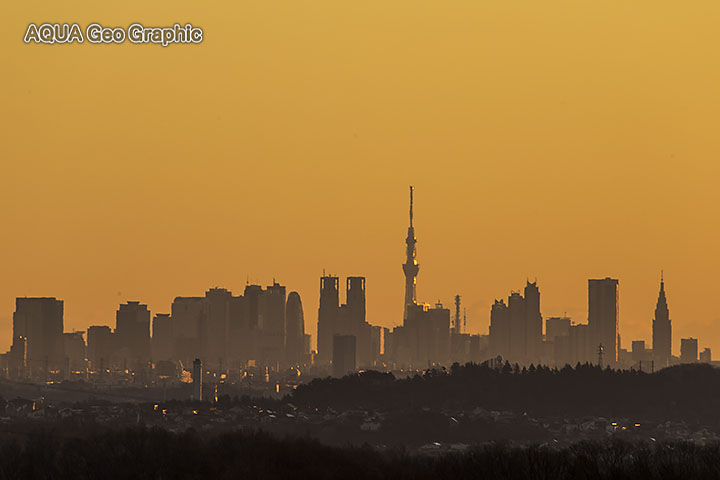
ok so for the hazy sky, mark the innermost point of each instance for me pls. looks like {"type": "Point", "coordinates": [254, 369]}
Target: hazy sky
{"type": "Point", "coordinates": [561, 140]}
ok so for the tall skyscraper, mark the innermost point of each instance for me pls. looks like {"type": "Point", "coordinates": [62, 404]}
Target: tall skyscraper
{"type": "Point", "coordinates": [75, 352]}
{"type": "Point", "coordinates": [347, 319]}
{"type": "Point", "coordinates": [186, 316]}
{"type": "Point", "coordinates": [355, 323]}
{"type": "Point", "coordinates": [39, 321]}
{"type": "Point", "coordinates": [162, 337]}
{"type": "Point", "coordinates": [355, 299]}
{"type": "Point", "coordinates": [343, 356]}
{"type": "Point", "coordinates": [295, 325]}
{"type": "Point", "coordinates": [516, 329]}
{"type": "Point", "coordinates": [132, 332]}
{"type": "Point", "coordinates": [254, 307]}
{"type": "Point", "coordinates": [425, 337]}
{"type": "Point", "coordinates": [273, 343]}
{"type": "Point", "coordinates": [499, 329]}
{"type": "Point", "coordinates": [240, 340]}
{"type": "Point", "coordinates": [603, 317]}
{"type": "Point", "coordinates": [99, 347]}
{"type": "Point", "coordinates": [662, 330]}
{"type": "Point", "coordinates": [327, 316]}
{"type": "Point", "coordinates": [533, 323]}
{"type": "Point", "coordinates": [215, 328]}
{"type": "Point", "coordinates": [410, 267]}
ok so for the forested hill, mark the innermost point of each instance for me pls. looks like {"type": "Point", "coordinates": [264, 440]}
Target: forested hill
{"type": "Point", "coordinates": [688, 392]}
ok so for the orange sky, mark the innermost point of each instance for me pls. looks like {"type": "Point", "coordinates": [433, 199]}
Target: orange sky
{"type": "Point", "coordinates": [561, 140]}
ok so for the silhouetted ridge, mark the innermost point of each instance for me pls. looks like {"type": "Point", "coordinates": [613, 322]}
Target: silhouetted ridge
{"type": "Point", "coordinates": [685, 391]}
{"type": "Point", "coordinates": [142, 453]}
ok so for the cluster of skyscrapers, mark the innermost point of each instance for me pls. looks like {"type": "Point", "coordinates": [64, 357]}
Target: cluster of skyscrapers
{"type": "Point", "coordinates": [516, 333]}
{"type": "Point", "coordinates": [261, 327]}
{"type": "Point", "coordinates": [264, 327]}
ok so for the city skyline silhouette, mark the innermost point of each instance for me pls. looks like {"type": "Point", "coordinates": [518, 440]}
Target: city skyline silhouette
{"type": "Point", "coordinates": [226, 331]}
{"type": "Point", "coordinates": [378, 239]}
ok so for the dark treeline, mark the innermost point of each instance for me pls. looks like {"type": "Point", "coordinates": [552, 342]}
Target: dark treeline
{"type": "Point", "coordinates": [158, 454]}
{"type": "Point", "coordinates": [687, 392]}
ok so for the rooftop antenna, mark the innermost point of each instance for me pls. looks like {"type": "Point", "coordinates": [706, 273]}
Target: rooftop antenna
{"type": "Point", "coordinates": [456, 326]}
{"type": "Point", "coordinates": [464, 320]}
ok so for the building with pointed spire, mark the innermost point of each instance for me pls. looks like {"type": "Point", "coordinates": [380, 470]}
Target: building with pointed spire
{"type": "Point", "coordinates": [410, 267]}
{"type": "Point", "coordinates": [662, 330]}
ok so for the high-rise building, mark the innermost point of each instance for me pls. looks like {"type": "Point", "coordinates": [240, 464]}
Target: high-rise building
{"type": "Point", "coordinates": [603, 317]}
{"type": "Point", "coordinates": [186, 314]}
{"type": "Point", "coordinates": [347, 319]}
{"type": "Point", "coordinates": [557, 335]}
{"type": "Point", "coordinates": [516, 328]}
{"type": "Point", "coordinates": [132, 333]}
{"type": "Point", "coordinates": [215, 328]}
{"type": "Point", "coordinates": [641, 355]}
{"type": "Point", "coordinates": [344, 354]}
{"type": "Point", "coordinates": [499, 330]}
{"type": "Point", "coordinates": [688, 350]}
{"type": "Point", "coordinates": [273, 329]}
{"type": "Point", "coordinates": [99, 347]}
{"type": "Point", "coordinates": [75, 352]}
{"type": "Point", "coordinates": [662, 330]}
{"type": "Point", "coordinates": [353, 320]}
{"type": "Point", "coordinates": [254, 308]}
{"type": "Point", "coordinates": [162, 337]}
{"type": "Point", "coordinates": [39, 321]}
{"type": "Point", "coordinates": [355, 300]}
{"type": "Point", "coordinates": [410, 267]}
{"type": "Point", "coordinates": [580, 341]}
{"type": "Point", "coordinates": [533, 324]}
{"type": "Point", "coordinates": [518, 331]}
{"type": "Point", "coordinates": [328, 313]}
{"type": "Point", "coordinates": [557, 327]}
{"type": "Point", "coordinates": [241, 339]}
{"type": "Point", "coordinates": [424, 340]}
{"type": "Point", "coordinates": [295, 325]}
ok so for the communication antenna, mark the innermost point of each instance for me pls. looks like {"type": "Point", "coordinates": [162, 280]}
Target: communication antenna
{"type": "Point", "coordinates": [456, 326]}
{"type": "Point", "coordinates": [600, 351]}
{"type": "Point", "coordinates": [411, 205]}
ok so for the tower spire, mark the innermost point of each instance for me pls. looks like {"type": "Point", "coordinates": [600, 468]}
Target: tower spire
{"type": "Point", "coordinates": [411, 206]}
{"type": "Point", "coordinates": [410, 267]}
{"type": "Point", "coordinates": [662, 328]}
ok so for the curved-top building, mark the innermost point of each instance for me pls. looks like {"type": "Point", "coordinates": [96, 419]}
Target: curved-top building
{"type": "Point", "coordinates": [295, 328]}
